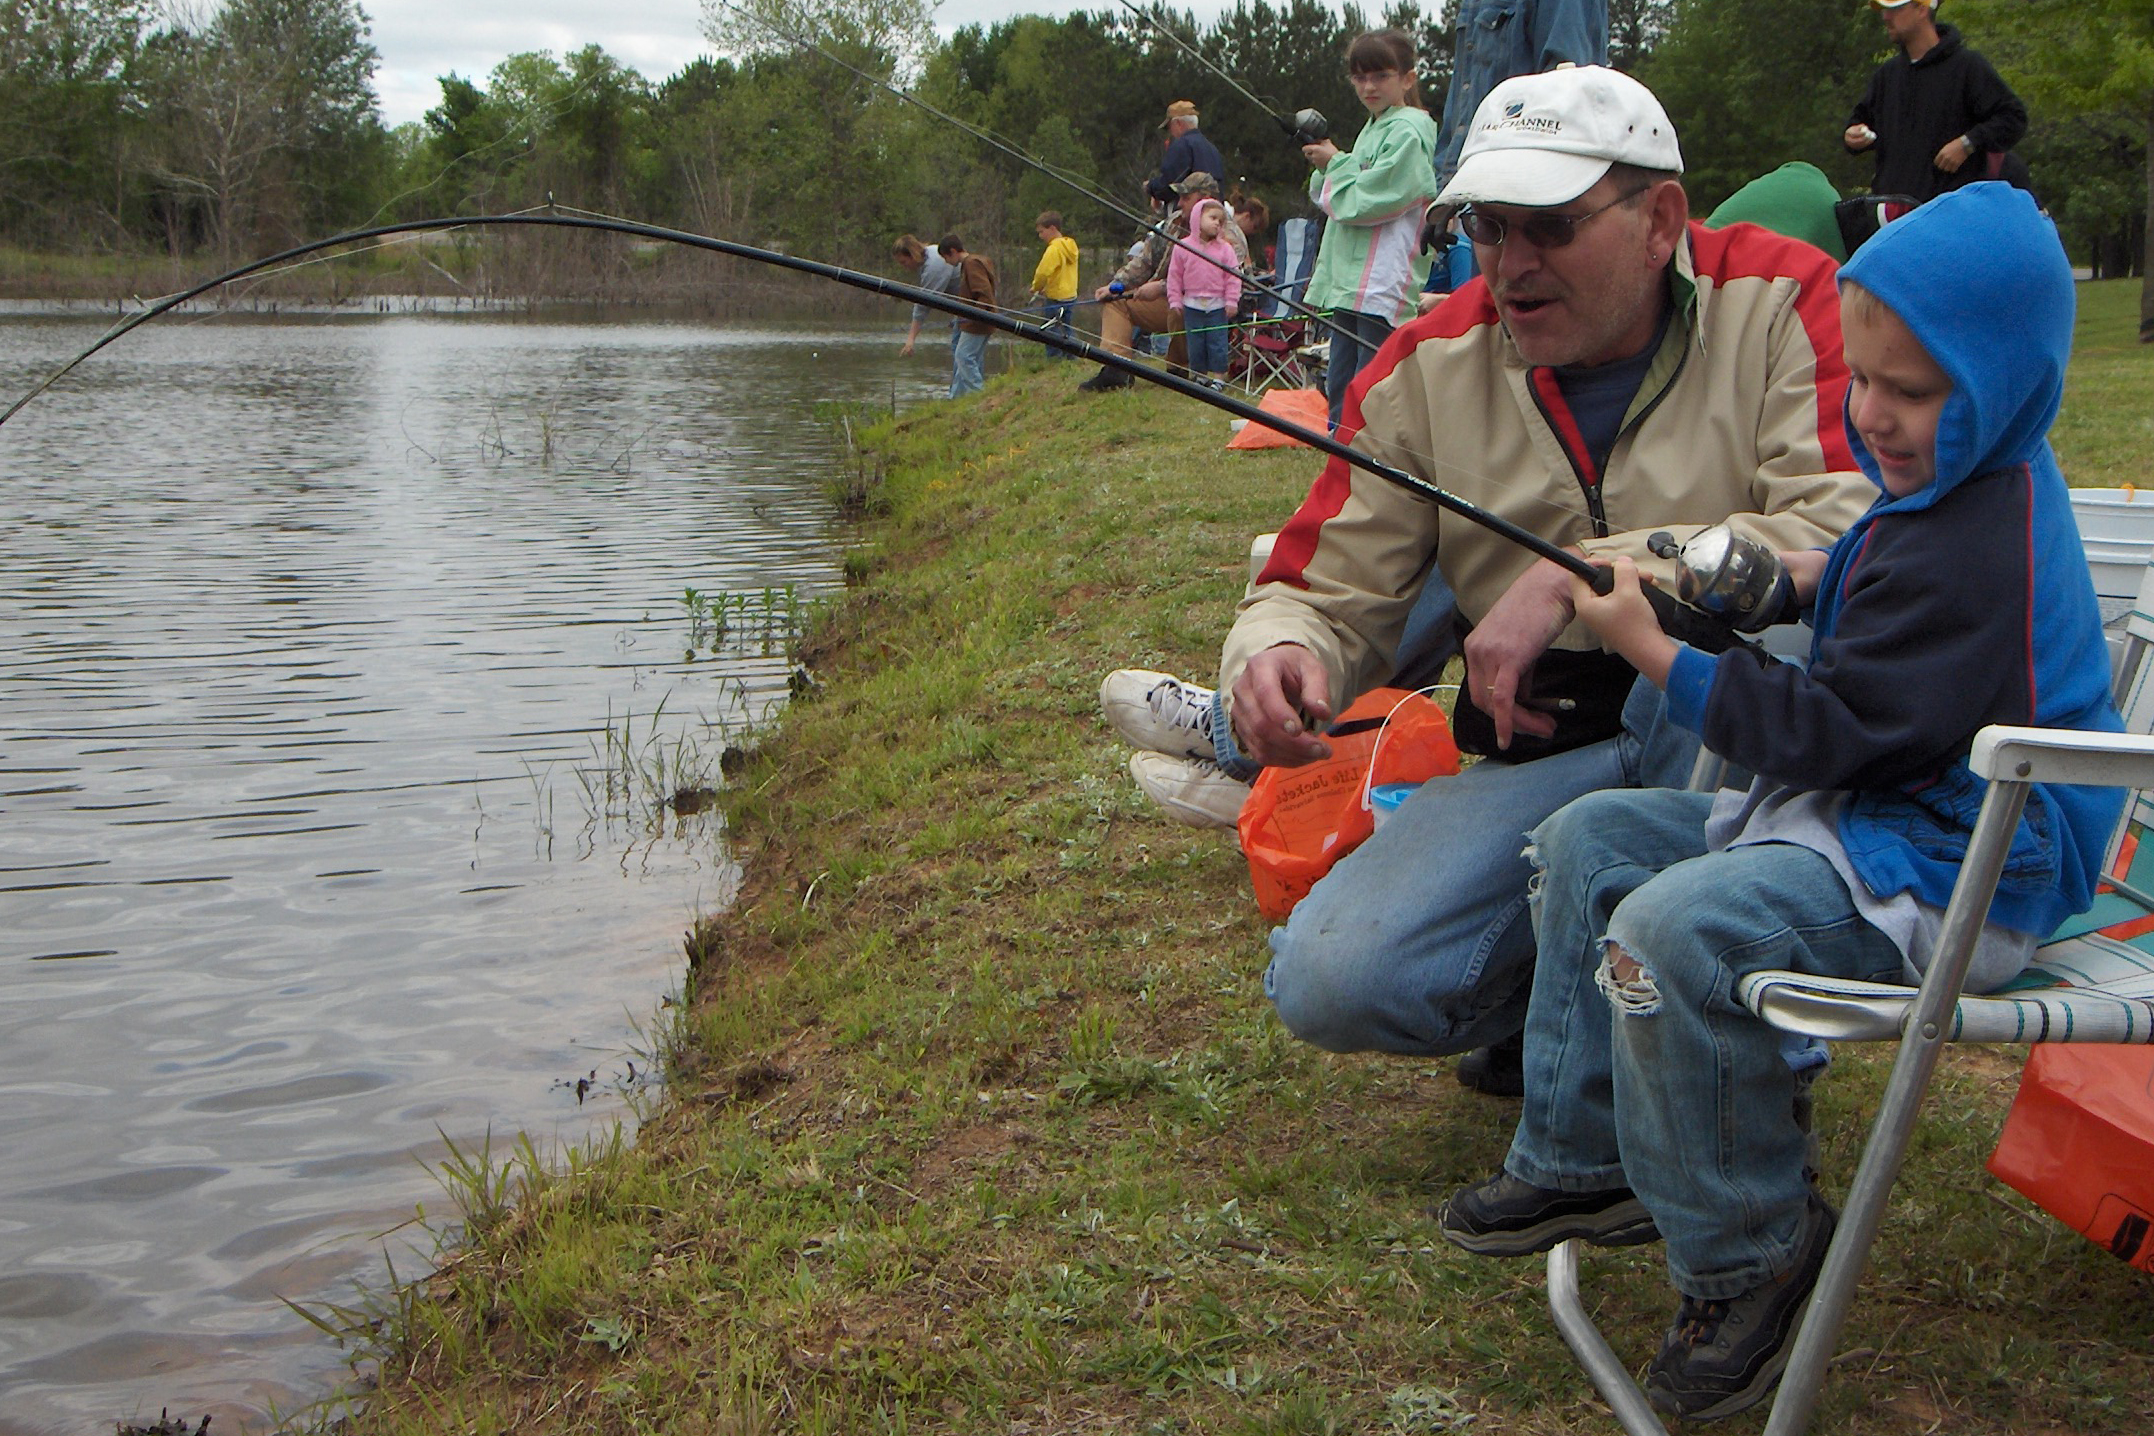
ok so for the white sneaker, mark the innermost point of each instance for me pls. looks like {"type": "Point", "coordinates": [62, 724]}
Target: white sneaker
{"type": "Point", "coordinates": [1158, 712]}
{"type": "Point", "coordinates": [1195, 791]}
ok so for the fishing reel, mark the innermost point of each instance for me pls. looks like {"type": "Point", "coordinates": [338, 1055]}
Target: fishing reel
{"type": "Point", "coordinates": [1734, 579]}
{"type": "Point", "coordinates": [1306, 127]}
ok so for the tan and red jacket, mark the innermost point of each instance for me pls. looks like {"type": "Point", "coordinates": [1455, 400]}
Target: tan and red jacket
{"type": "Point", "coordinates": [1738, 418]}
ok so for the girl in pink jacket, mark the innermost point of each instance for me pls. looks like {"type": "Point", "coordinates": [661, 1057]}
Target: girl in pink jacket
{"type": "Point", "coordinates": [1204, 285]}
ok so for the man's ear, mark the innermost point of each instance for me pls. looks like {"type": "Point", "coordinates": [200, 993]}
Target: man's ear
{"type": "Point", "coordinates": [1669, 216]}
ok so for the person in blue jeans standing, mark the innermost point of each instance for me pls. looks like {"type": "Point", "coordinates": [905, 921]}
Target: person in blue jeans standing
{"type": "Point", "coordinates": [1496, 39]}
{"type": "Point", "coordinates": [975, 285]}
{"type": "Point", "coordinates": [1656, 1103]}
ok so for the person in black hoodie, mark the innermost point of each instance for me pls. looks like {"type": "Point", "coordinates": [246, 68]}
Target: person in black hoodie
{"type": "Point", "coordinates": [1933, 111]}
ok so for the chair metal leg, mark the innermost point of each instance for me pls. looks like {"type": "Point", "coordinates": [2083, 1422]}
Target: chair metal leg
{"type": "Point", "coordinates": [1921, 1042]}
{"type": "Point", "coordinates": [1609, 1375]}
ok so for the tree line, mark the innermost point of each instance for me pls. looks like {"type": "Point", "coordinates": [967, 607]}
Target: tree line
{"type": "Point", "coordinates": [229, 129]}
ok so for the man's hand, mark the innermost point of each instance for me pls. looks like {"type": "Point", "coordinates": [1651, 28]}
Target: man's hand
{"type": "Point", "coordinates": [1953, 154]}
{"type": "Point", "coordinates": [1504, 646]}
{"type": "Point", "coordinates": [1280, 687]}
{"type": "Point", "coordinates": [1150, 289]}
{"type": "Point", "coordinates": [1102, 293]}
{"type": "Point", "coordinates": [1320, 154]}
{"type": "Point", "coordinates": [1859, 137]}
{"type": "Point", "coordinates": [1626, 622]}
{"type": "Point", "coordinates": [905, 352]}
{"type": "Point", "coordinates": [1423, 303]}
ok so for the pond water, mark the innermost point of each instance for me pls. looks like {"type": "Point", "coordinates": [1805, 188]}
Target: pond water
{"type": "Point", "coordinates": [345, 677]}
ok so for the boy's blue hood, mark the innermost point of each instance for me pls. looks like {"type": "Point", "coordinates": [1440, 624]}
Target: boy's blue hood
{"type": "Point", "coordinates": [1980, 277]}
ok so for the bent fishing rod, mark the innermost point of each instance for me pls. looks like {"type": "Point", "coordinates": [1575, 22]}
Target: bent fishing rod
{"type": "Point", "coordinates": [874, 284]}
{"type": "Point", "coordinates": [1303, 127]}
{"type": "Point", "coordinates": [1144, 222]}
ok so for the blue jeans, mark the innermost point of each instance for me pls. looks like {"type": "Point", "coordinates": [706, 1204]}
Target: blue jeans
{"type": "Point", "coordinates": [1055, 319]}
{"type": "Point", "coordinates": [1418, 941]}
{"type": "Point", "coordinates": [1667, 1083]}
{"type": "Point", "coordinates": [1348, 355]}
{"type": "Point", "coordinates": [966, 375]}
{"type": "Point", "coordinates": [1205, 333]}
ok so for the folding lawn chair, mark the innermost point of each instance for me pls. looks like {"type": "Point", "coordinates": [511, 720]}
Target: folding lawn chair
{"type": "Point", "coordinates": [2092, 982]}
{"type": "Point", "coordinates": [1267, 349]}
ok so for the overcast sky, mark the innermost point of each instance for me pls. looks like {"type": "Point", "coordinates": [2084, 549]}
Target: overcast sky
{"type": "Point", "coordinates": [422, 40]}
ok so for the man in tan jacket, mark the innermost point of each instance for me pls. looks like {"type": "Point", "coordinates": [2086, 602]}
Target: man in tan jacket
{"type": "Point", "coordinates": [1619, 370]}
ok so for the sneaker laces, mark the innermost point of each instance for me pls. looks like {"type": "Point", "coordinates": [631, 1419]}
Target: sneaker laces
{"type": "Point", "coordinates": [1177, 705]}
{"type": "Point", "coordinates": [1697, 1321]}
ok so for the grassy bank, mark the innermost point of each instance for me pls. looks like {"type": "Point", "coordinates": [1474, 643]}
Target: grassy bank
{"type": "Point", "coordinates": [979, 1120]}
{"type": "Point", "coordinates": [2105, 433]}
{"type": "Point", "coordinates": [442, 271]}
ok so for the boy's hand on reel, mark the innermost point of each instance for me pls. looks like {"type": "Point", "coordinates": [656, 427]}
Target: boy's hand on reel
{"type": "Point", "coordinates": [1625, 620]}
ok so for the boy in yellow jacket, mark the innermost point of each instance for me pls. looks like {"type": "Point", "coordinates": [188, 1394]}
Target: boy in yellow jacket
{"type": "Point", "coordinates": [1054, 281]}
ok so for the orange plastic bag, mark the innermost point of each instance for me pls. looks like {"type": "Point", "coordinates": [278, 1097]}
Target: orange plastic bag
{"type": "Point", "coordinates": [2080, 1143]}
{"type": "Point", "coordinates": [1297, 822]}
{"type": "Point", "coordinates": [1305, 407]}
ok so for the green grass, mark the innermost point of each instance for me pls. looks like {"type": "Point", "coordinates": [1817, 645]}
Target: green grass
{"type": "Point", "coordinates": [979, 1120]}
{"type": "Point", "coordinates": [2104, 436]}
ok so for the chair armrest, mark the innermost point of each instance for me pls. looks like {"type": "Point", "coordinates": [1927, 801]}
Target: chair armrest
{"type": "Point", "coordinates": [2060, 755]}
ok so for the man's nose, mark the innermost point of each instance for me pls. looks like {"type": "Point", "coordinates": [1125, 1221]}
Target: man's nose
{"type": "Point", "coordinates": [1516, 255]}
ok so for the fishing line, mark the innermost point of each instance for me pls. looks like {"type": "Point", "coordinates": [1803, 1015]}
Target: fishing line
{"type": "Point", "coordinates": [1600, 578]}
{"type": "Point", "coordinates": [1078, 186]}
{"type": "Point", "coordinates": [1193, 53]}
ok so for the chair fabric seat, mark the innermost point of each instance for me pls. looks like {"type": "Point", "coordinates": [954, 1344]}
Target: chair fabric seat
{"type": "Point", "coordinates": [2086, 988]}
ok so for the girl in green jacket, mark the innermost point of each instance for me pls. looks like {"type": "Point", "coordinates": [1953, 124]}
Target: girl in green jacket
{"type": "Point", "coordinates": [1368, 268]}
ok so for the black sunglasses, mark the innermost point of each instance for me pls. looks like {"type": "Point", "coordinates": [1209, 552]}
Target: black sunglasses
{"type": "Point", "coordinates": [1540, 229]}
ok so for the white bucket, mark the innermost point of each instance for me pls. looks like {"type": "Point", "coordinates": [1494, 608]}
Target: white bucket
{"type": "Point", "coordinates": [1384, 800]}
{"type": "Point", "coordinates": [2117, 528]}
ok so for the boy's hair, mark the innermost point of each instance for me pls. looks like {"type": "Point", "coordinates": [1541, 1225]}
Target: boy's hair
{"type": "Point", "coordinates": [948, 245]}
{"type": "Point", "coordinates": [1377, 50]}
{"type": "Point", "coordinates": [1859, 303]}
{"type": "Point", "coordinates": [911, 250]}
{"type": "Point", "coordinates": [1049, 219]}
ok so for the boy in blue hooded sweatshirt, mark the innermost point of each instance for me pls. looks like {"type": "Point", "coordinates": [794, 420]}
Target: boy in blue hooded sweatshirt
{"type": "Point", "coordinates": [1656, 1104]}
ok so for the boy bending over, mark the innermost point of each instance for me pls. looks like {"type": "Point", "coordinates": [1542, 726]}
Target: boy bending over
{"type": "Point", "coordinates": [1656, 1104]}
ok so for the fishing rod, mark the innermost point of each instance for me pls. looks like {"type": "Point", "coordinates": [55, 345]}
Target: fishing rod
{"type": "Point", "coordinates": [1601, 578]}
{"type": "Point", "coordinates": [1061, 177]}
{"type": "Point", "coordinates": [1303, 127]}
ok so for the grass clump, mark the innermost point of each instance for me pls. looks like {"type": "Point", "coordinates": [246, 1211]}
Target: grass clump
{"type": "Point", "coordinates": [978, 1118]}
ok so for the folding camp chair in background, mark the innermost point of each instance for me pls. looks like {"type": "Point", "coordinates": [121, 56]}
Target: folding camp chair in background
{"type": "Point", "coordinates": [2092, 982]}
{"type": "Point", "coordinates": [1267, 349]}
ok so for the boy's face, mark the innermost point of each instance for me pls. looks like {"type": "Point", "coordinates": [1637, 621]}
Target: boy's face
{"type": "Point", "coordinates": [1046, 232]}
{"type": "Point", "coordinates": [1895, 394]}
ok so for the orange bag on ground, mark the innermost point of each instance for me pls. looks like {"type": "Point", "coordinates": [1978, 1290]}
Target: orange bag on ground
{"type": "Point", "coordinates": [1297, 822]}
{"type": "Point", "coordinates": [2080, 1143]}
{"type": "Point", "coordinates": [1305, 407]}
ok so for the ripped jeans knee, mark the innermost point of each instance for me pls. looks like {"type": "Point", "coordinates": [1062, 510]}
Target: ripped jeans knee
{"type": "Point", "coordinates": [1624, 981]}
{"type": "Point", "coordinates": [1536, 879]}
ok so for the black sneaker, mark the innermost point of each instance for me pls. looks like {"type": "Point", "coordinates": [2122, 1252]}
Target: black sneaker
{"type": "Point", "coordinates": [1507, 1217]}
{"type": "Point", "coordinates": [1721, 1357]}
{"type": "Point", "coordinates": [1106, 379]}
{"type": "Point", "coordinates": [1498, 1069]}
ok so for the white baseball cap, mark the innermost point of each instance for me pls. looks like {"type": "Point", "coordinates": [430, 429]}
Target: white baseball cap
{"type": "Point", "coordinates": [1545, 139]}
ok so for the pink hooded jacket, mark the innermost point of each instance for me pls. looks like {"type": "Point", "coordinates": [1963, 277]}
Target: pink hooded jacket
{"type": "Point", "coordinates": [1197, 282]}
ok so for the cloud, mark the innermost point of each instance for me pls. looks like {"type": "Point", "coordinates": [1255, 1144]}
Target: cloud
{"type": "Point", "coordinates": [422, 40]}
